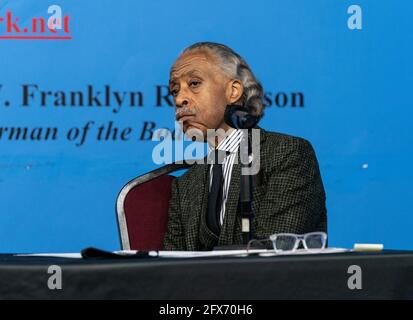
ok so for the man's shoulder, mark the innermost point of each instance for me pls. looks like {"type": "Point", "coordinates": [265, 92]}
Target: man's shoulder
{"type": "Point", "coordinates": [273, 138]}
{"type": "Point", "coordinates": [276, 143]}
{"type": "Point", "coordinates": [278, 148]}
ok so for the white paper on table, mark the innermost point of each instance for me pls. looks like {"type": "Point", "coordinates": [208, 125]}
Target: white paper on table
{"type": "Point", "coordinates": [202, 254]}
{"type": "Point", "coordinates": [53, 255]}
{"type": "Point", "coordinates": [305, 252]}
{"type": "Point", "coordinates": [243, 253]}
{"type": "Point", "coordinates": [199, 254]}
{"type": "Point", "coordinates": [71, 255]}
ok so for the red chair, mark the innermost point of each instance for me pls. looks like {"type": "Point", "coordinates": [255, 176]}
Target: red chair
{"type": "Point", "coordinates": [142, 209]}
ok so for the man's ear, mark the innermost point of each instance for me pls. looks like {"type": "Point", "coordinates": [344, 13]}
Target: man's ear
{"type": "Point", "coordinates": [235, 89]}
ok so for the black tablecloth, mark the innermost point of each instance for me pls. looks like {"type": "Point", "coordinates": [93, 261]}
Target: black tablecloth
{"type": "Point", "coordinates": [386, 275]}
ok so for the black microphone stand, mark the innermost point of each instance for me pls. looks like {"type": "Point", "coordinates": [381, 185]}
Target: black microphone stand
{"type": "Point", "coordinates": [246, 213]}
{"type": "Point", "coordinates": [239, 117]}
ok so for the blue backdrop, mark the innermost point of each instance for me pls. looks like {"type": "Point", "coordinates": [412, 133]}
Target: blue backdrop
{"type": "Point", "coordinates": [352, 91]}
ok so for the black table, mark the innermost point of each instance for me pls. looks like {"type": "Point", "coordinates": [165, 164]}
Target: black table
{"type": "Point", "coordinates": [385, 275]}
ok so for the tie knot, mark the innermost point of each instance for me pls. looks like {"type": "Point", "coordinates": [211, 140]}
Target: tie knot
{"type": "Point", "coordinates": [217, 156]}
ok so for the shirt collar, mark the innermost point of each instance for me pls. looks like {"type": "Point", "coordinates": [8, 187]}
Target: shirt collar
{"type": "Point", "coordinates": [230, 143]}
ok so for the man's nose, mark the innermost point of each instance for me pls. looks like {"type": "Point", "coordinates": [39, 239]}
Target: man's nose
{"type": "Point", "coordinates": [181, 100]}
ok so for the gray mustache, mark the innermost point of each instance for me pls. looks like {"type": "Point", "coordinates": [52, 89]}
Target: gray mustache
{"type": "Point", "coordinates": [185, 111]}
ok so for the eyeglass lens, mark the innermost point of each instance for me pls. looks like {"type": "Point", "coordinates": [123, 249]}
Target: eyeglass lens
{"type": "Point", "coordinates": [289, 242]}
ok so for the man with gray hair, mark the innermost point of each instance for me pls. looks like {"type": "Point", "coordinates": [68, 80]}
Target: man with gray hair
{"type": "Point", "coordinates": [288, 194]}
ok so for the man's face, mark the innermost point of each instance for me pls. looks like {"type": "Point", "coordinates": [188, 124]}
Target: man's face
{"type": "Point", "coordinates": [199, 90]}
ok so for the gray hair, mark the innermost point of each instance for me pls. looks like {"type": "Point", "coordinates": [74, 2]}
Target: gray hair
{"type": "Point", "coordinates": [234, 66]}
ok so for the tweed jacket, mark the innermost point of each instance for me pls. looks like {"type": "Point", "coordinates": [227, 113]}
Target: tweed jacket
{"type": "Point", "coordinates": [288, 196]}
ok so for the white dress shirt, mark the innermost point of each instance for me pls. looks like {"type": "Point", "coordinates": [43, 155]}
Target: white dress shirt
{"type": "Point", "coordinates": [231, 145]}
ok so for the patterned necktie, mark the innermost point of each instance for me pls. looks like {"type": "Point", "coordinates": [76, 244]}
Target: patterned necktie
{"type": "Point", "coordinates": [215, 193]}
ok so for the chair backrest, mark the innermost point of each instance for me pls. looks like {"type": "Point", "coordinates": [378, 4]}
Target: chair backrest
{"type": "Point", "coordinates": [142, 209]}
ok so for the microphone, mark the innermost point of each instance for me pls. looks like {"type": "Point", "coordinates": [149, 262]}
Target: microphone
{"type": "Point", "coordinates": [239, 117]}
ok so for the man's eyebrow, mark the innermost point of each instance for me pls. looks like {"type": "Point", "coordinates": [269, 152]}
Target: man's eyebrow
{"type": "Point", "coordinates": [193, 72]}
